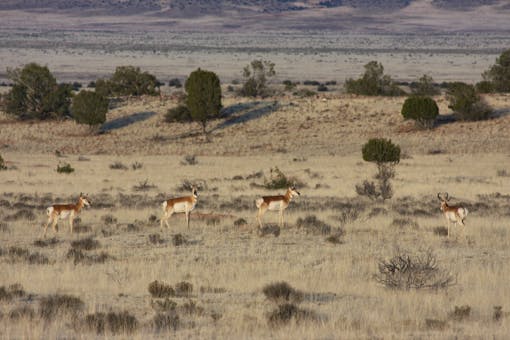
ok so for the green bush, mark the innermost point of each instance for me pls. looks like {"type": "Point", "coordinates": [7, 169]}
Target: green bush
{"type": "Point", "coordinates": [178, 114]}
{"type": "Point", "coordinates": [499, 73]}
{"type": "Point", "coordinates": [65, 168]}
{"type": "Point", "coordinates": [89, 108]}
{"type": "Point", "coordinates": [425, 87]}
{"type": "Point", "coordinates": [485, 86]}
{"type": "Point", "coordinates": [256, 75]}
{"type": "Point", "coordinates": [373, 82]}
{"type": "Point", "coordinates": [35, 93]}
{"type": "Point", "coordinates": [128, 81]}
{"type": "Point", "coordinates": [423, 110]}
{"type": "Point", "coordinates": [380, 150]}
{"type": "Point", "coordinates": [203, 96]}
{"type": "Point", "coordinates": [467, 103]}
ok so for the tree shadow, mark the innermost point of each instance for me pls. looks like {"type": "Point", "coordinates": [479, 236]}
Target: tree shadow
{"type": "Point", "coordinates": [445, 119]}
{"type": "Point", "coordinates": [121, 122]}
{"type": "Point", "coordinates": [244, 112]}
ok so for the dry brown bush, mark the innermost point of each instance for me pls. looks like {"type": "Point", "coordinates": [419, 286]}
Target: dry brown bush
{"type": "Point", "coordinates": [282, 292]}
{"type": "Point", "coordinates": [60, 305]}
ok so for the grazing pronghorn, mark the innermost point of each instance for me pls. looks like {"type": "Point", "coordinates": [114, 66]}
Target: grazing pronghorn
{"type": "Point", "coordinates": [178, 205]}
{"type": "Point", "coordinates": [278, 202]}
{"type": "Point", "coordinates": [452, 213]}
{"type": "Point", "coordinates": [62, 211]}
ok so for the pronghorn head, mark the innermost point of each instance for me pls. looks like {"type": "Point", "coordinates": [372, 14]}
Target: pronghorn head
{"type": "Point", "coordinates": [194, 191]}
{"type": "Point", "coordinates": [84, 200]}
{"type": "Point", "coordinates": [293, 192]}
{"type": "Point", "coordinates": [444, 199]}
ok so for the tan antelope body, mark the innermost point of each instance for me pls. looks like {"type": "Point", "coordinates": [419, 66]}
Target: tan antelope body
{"type": "Point", "coordinates": [275, 203]}
{"type": "Point", "coordinates": [62, 211]}
{"type": "Point", "coordinates": [452, 213]}
{"type": "Point", "coordinates": [179, 205]}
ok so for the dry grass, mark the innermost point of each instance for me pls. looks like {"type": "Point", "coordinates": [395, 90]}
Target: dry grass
{"type": "Point", "coordinates": [223, 266]}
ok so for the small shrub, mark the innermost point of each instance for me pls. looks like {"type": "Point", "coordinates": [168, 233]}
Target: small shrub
{"type": "Point", "coordinates": [144, 186]}
{"type": "Point", "coordinates": [161, 290]}
{"type": "Point", "coordinates": [2, 164]}
{"type": "Point", "coordinates": [118, 166]}
{"type": "Point", "coordinates": [380, 150]}
{"type": "Point", "coordinates": [23, 312]}
{"type": "Point", "coordinates": [89, 108]}
{"type": "Point", "coordinates": [4, 228]}
{"type": "Point", "coordinates": [65, 168]}
{"type": "Point", "coordinates": [423, 110]}
{"type": "Point", "coordinates": [304, 93]}
{"type": "Point", "coordinates": [441, 231]}
{"type": "Point", "coordinates": [183, 289]}
{"type": "Point", "coordinates": [175, 82]}
{"type": "Point", "coordinates": [368, 189]}
{"type": "Point", "coordinates": [277, 180]}
{"type": "Point", "coordinates": [406, 271]}
{"type": "Point", "coordinates": [484, 86]}
{"type": "Point", "coordinates": [189, 160]}
{"type": "Point", "coordinates": [287, 312]}
{"type": "Point", "coordinates": [115, 323]}
{"type": "Point", "coordinates": [322, 88]}
{"type": "Point", "coordinates": [85, 244]}
{"type": "Point", "coordinates": [22, 214]}
{"type": "Point", "coordinates": [311, 83]}
{"type": "Point", "coordinates": [313, 225]}
{"type": "Point", "coordinates": [79, 257]}
{"type": "Point", "coordinates": [460, 313]}
{"type": "Point", "coordinates": [108, 219]}
{"type": "Point", "coordinates": [240, 222]}
{"type": "Point", "coordinates": [166, 322]}
{"type": "Point", "coordinates": [13, 291]}
{"type": "Point", "coordinates": [166, 305]}
{"type": "Point", "coordinates": [269, 229]}
{"type": "Point", "coordinates": [282, 292]}
{"type": "Point", "coordinates": [502, 173]}
{"type": "Point", "coordinates": [136, 166]}
{"type": "Point", "coordinates": [24, 255]}
{"type": "Point", "coordinates": [425, 87]}
{"type": "Point", "coordinates": [180, 114]}
{"type": "Point", "coordinates": [466, 103]}
{"type": "Point", "coordinates": [156, 239]}
{"type": "Point", "coordinates": [336, 238]}
{"type": "Point", "coordinates": [191, 308]}
{"type": "Point", "coordinates": [55, 305]}
{"type": "Point", "coordinates": [436, 324]}
{"type": "Point", "coordinates": [373, 82]}
{"type": "Point", "coordinates": [46, 243]}
{"type": "Point", "coordinates": [179, 240]}
{"type": "Point", "coordinates": [497, 313]}
{"type": "Point", "coordinates": [404, 222]}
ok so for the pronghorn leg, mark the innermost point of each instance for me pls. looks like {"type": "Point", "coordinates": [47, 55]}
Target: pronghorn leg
{"type": "Point", "coordinates": [54, 225]}
{"type": "Point", "coordinates": [162, 219]}
{"type": "Point", "coordinates": [259, 215]}
{"type": "Point", "coordinates": [168, 214]}
{"type": "Point", "coordinates": [448, 226]}
{"type": "Point", "coordinates": [46, 226]}
{"type": "Point", "coordinates": [281, 218]}
{"type": "Point", "coordinates": [71, 218]}
{"type": "Point", "coordinates": [187, 217]}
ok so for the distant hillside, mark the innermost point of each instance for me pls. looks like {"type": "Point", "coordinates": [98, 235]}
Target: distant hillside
{"type": "Point", "coordinates": [218, 6]}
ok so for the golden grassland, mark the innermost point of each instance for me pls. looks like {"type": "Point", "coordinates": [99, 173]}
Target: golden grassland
{"type": "Point", "coordinates": [228, 263]}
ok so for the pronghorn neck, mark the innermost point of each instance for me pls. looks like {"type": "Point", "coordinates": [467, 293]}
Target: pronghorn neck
{"type": "Point", "coordinates": [79, 205]}
{"type": "Point", "coordinates": [288, 196]}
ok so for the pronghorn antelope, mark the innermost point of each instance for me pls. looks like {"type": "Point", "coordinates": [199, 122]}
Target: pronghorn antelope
{"type": "Point", "coordinates": [452, 213]}
{"type": "Point", "coordinates": [279, 202]}
{"type": "Point", "coordinates": [62, 211]}
{"type": "Point", "coordinates": [178, 205]}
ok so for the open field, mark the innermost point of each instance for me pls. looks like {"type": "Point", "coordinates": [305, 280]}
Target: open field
{"type": "Point", "coordinates": [74, 54]}
{"type": "Point", "coordinates": [227, 262]}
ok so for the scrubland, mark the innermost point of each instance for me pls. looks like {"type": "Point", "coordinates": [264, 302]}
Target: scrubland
{"type": "Point", "coordinates": [211, 277]}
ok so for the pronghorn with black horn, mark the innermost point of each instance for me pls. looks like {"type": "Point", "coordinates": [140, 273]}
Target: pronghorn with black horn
{"type": "Point", "coordinates": [61, 211]}
{"type": "Point", "coordinates": [452, 213]}
{"type": "Point", "coordinates": [179, 205]}
{"type": "Point", "coordinates": [275, 203]}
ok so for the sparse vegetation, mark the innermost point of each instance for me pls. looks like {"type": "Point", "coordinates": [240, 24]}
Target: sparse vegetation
{"type": "Point", "coordinates": [373, 82]}
{"type": "Point", "coordinates": [425, 87]}
{"type": "Point", "coordinates": [189, 160]}
{"type": "Point", "coordinates": [60, 305]}
{"type": "Point", "coordinates": [85, 244]}
{"type": "Point", "coordinates": [311, 224]}
{"type": "Point", "coordinates": [2, 164]}
{"type": "Point", "coordinates": [161, 290]}
{"type": "Point", "coordinates": [112, 322]}
{"type": "Point", "coordinates": [282, 292]}
{"type": "Point", "coordinates": [118, 166]}
{"type": "Point", "coordinates": [64, 168]}
{"type": "Point", "coordinates": [408, 271]}
{"type": "Point", "coordinates": [278, 180]}
{"type": "Point", "coordinates": [179, 113]}
{"type": "Point", "coordinates": [256, 76]}
{"type": "Point", "coordinates": [128, 81]}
